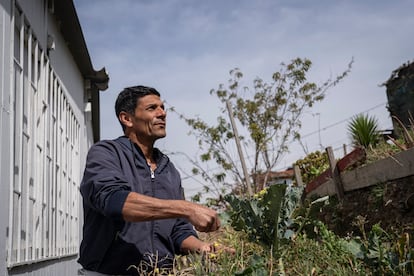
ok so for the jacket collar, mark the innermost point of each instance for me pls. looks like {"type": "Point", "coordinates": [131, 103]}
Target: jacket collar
{"type": "Point", "coordinates": [160, 158]}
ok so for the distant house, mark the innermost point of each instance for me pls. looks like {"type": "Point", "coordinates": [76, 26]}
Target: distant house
{"type": "Point", "coordinates": [49, 97]}
{"type": "Point", "coordinates": [280, 177]}
{"type": "Point", "coordinates": [400, 93]}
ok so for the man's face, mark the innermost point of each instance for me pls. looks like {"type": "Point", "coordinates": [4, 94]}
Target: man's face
{"type": "Point", "coordinates": [149, 120]}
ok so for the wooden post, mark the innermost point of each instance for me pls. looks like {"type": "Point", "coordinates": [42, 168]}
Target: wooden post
{"type": "Point", "coordinates": [335, 173]}
{"type": "Point", "coordinates": [298, 175]}
{"type": "Point", "coordinates": [344, 146]}
{"type": "Point", "coordinates": [239, 149]}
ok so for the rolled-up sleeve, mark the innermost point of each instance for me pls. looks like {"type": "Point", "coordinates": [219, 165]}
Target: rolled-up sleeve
{"type": "Point", "coordinates": [182, 230]}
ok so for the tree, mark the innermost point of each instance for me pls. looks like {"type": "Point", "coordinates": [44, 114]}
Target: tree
{"type": "Point", "coordinates": [269, 115]}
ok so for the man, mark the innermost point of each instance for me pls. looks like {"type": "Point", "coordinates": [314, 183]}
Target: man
{"type": "Point", "coordinates": [134, 211]}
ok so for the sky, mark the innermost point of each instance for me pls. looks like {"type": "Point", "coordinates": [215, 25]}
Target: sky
{"type": "Point", "coordinates": [185, 48]}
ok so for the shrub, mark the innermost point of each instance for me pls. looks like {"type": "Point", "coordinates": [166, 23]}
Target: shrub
{"type": "Point", "coordinates": [363, 130]}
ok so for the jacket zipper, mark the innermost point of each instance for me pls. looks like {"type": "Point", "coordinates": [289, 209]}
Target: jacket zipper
{"type": "Point", "coordinates": [153, 194]}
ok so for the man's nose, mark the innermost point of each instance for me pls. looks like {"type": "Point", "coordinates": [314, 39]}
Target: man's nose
{"type": "Point", "coordinates": [161, 112]}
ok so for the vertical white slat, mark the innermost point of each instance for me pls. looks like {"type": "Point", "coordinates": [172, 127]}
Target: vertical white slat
{"type": "Point", "coordinates": [52, 161]}
{"type": "Point", "coordinates": [55, 179]}
{"type": "Point", "coordinates": [65, 175]}
{"type": "Point", "coordinates": [62, 173]}
{"type": "Point", "coordinates": [55, 175]}
{"type": "Point", "coordinates": [41, 139]}
{"type": "Point", "coordinates": [10, 258]}
{"type": "Point", "coordinates": [28, 134]}
{"type": "Point", "coordinates": [46, 169]}
{"type": "Point", "coordinates": [71, 187]}
{"type": "Point", "coordinates": [52, 173]}
{"type": "Point", "coordinates": [70, 181]}
{"type": "Point", "coordinates": [12, 140]}
{"type": "Point", "coordinates": [75, 191]}
{"type": "Point", "coordinates": [67, 178]}
{"type": "Point", "coordinates": [58, 172]}
{"type": "Point", "coordinates": [19, 155]}
{"type": "Point", "coordinates": [76, 169]}
{"type": "Point", "coordinates": [37, 156]}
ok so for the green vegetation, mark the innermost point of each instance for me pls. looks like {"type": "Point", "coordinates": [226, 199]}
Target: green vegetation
{"type": "Point", "coordinates": [363, 130]}
{"type": "Point", "coordinates": [305, 245]}
{"type": "Point", "coordinates": [312, 165]}
{"type": "Point", "coordinates": [275, 231]}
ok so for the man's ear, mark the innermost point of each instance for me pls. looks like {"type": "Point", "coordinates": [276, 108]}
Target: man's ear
{"type": "Point", "coordinates": [125, 118]}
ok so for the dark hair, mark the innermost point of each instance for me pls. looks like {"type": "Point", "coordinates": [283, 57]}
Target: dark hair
{"type": "Point", "coordinates": [128, 98]}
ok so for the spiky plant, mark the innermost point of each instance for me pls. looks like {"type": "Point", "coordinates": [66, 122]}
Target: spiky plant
{"type": "Point", "coordinates": [363, 130]}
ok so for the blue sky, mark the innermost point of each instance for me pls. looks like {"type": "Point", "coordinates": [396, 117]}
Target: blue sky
{"type": "Point", "coordinates": [185, 48]}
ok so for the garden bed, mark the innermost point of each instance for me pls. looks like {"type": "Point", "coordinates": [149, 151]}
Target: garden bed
{"type": "Point", "coordinates": [390, 204]}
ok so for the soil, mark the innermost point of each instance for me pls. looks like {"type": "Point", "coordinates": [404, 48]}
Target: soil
{"type": "Point", "coordinates": [389, 204]}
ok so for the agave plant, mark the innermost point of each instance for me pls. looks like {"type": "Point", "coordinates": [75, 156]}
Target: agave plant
{"type": "Point", "coordinates": [363, 130]}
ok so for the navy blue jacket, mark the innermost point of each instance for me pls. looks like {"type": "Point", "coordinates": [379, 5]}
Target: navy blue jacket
{"type": "Point", "coordinates": [111, 245]}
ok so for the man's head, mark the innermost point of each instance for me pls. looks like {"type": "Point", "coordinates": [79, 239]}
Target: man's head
{"type": "Point", "coordinates": [141, 113]}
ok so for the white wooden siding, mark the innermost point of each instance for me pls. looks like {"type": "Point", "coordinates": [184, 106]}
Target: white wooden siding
{"type": "Point", "coordinates": [44, 193]}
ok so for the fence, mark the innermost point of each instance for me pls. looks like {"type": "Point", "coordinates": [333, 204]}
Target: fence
{"type": "Point", "coordinates": [337, 180]}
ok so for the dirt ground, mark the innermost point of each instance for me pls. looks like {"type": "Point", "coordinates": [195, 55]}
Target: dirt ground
{"type": "Point", "coordinates": [390, 204]}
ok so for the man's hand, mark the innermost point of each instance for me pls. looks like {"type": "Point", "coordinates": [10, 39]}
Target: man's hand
{"type": "Point", "coordinates": [193, 244]}
{"type": "Point", "coordinates": [204, 219]}
{"type": "Point", "coordinates": [216, 247]}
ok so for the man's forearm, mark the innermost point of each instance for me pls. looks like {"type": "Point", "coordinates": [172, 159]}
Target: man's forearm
{"type": "Point", "coordinates": [139, 207]}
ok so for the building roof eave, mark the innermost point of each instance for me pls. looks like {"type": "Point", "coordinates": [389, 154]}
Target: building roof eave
{"type": "Point", "coordinates": [71, 30]}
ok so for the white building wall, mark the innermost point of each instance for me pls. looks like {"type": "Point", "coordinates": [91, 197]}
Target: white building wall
{"type": "Point", "coordinates": [43, 23]}
{"type": "Point", "coordinates": [23, 157]}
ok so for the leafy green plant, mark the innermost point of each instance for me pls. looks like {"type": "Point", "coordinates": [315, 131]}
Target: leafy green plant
{"type": "Point", "coordinates": [312, 165]}
{"type": "Point", "coordinates": [258, 217]}
{"type": "Point", "coordinates": [363, 130]}
{"type": "Point", "coordinates": [266, 218]}
{"type": "Point", "coordinates": [376, 250]}
{"type": "Point", "coordinates": [257, 266]}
